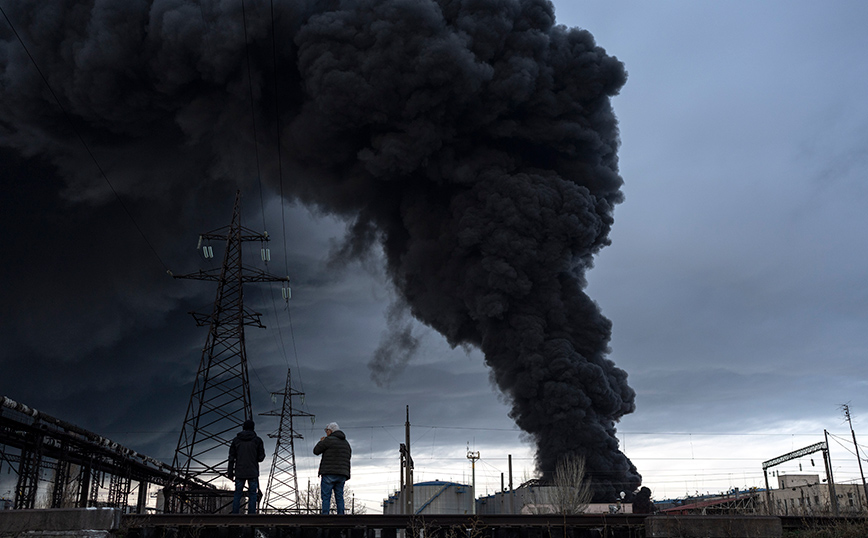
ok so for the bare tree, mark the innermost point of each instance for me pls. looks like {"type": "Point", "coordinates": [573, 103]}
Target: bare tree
{"type": "Point", "coordinates": [310, 501]}
{"type": "Point", "coordinates": [571, 491]}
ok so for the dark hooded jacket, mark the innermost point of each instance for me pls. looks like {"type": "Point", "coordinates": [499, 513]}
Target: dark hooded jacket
{"type": "Point", "coordinates": [336, 454]}
{"type": "Point", "coordinates": [245, 453]}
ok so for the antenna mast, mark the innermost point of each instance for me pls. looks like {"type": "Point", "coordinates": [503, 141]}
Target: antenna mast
{"type": "Point", "coordinates": [846, 408]}
{"type": "Point", "coordinates": [220, 401]}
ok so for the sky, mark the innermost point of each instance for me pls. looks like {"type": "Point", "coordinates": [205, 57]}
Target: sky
{"type": "Point", "coordinates": [734, 277]}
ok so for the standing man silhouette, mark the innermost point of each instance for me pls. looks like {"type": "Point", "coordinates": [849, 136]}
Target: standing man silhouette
{"type": "Point", "coordinates": [245, 453]}
{"type": "Point", "coordinates": [334, 467]}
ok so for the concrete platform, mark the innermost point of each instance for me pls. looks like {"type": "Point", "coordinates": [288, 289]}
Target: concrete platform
{"type": "Point", "coordinates": [60, 522]}
{"type": "Point", "coordinates": [713, 527]}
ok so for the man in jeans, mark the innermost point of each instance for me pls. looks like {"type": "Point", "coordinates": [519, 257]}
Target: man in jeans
{"type": "Point", "coordinates": [245, 453]}
{"type": "Point", "coordinates": [334, 467]}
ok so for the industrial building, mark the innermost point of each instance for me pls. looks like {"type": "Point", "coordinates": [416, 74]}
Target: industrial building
{"type": "Point", "coordinates": [534, 498]}
{"type": "Point", "coordinates": [807, 495]}
{"type": "Point", "coordinates": [439, 497]}
{"type": "Point", "coordinates": [434, 497]}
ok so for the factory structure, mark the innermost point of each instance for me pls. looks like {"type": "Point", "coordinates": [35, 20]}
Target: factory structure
{"type": "Point", "coordinates": [795, 495]}
{"type": "Point", "coordinates": [807, 495]}
{"type": "Point", "coordinates": [435, 497]}
{"type": "Point", "coordinates": [799, 495]}
{"type": "Point", "coordinates": [532, 497]}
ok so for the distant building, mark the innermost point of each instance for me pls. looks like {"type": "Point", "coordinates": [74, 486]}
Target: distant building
{"type": "Point", "coordinates": [533, 498]}
{"type": "Point", "coordinates": [732, 502]}
{"type": "Point", "coordinates": [796, 495]}
{"type": "Point", "coordinates": [806, 494]}
{"type": "Point", "coordinates": [452, 498]}
{"type": "Point", "coordinates": [434, 498]}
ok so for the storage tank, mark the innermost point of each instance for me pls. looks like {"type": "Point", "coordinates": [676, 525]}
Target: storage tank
{"type": "Point", "coordinates": [434, 497]}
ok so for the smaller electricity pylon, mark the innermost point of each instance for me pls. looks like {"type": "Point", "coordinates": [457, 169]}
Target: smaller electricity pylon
{"type": "Point", "coordinates": [281, 494]}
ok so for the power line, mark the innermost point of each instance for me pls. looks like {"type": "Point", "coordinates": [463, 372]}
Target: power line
{"type": "Point", "coordinates": [280, 183]}
{"type": "Point", "coordinates": [258, 163]}
{"type": "Point", "coordinates": [277, 122]}
{"type": "Point", "coordinates": [841, 441]}
{"type": "Point", "coordinates": [261, 189]}
{"type": "Point", "coordinates": [253, 111]}
{"type": "Point", "coordinates": [280, 179]}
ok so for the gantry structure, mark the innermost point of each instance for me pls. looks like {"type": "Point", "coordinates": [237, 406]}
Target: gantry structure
{"type": "Point", "coordinates": [57, 464]}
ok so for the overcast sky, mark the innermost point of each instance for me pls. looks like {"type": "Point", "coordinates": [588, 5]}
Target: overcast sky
{"type": "Point", "coordinates": [735, 278]}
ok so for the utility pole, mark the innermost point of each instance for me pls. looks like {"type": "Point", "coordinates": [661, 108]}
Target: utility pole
{"type": "Point", "coordinates": [511, 491]}
{"type": "Point", "coordinates": [846, 408]}
{"type": "Point", "coordinates": [281, 494]}
{"type": "Point", "coordinates": [502, 492]}
{"type": "Point", "coordinates": [220, 400]}
{"type": "Point", "coordinates": [473, 456]}
{"type": "Point", "coordinates": [408, 468]}
{"type": "Point", "coordinates": [828, 460]}
{"type": "Point", "coordinates": [402, 472]}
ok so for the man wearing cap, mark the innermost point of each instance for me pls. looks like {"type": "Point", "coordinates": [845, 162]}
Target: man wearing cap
{"type": "Point", "coordinates": [245, 453]}
{"type": "Point", "coordinates": [334, 467]}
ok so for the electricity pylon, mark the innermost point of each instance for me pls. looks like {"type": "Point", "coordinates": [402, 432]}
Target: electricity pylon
{"type": "Point", "coordinates": [220, 401]}
{"type": "Point", "coordinates": [281, 494]}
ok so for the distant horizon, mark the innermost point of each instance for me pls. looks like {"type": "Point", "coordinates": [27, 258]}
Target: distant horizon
{"type": "Point", "coordinates": [787, 470]}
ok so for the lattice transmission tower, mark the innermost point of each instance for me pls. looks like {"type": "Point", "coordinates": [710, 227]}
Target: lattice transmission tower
{"type": "Point", "coordinates": [220, 401]}
{"type": "Point", "coordinates": [281, 494]}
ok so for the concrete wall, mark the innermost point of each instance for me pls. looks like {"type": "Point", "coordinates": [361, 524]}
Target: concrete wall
{"type": "Point", "coordinates": [713, 526]}
{"type": "Point", "coordinates": [85, 522]}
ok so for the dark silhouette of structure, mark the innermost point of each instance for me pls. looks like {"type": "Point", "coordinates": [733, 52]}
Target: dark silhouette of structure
{"type": "Point", "coordinates": [82, 469]}
{"type": "Point", "coordinates": [220, 401]}
{"type": "Point", "coordinates": [281, 493]}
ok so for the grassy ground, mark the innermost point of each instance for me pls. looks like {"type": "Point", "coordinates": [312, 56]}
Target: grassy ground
{"type": "Point", "coordinates": [839, 530]}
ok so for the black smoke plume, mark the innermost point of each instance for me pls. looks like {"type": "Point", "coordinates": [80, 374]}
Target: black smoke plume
{"type": "Point", "coordinates": [473, 140]}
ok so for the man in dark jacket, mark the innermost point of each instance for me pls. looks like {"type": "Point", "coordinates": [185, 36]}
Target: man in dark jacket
{"type": "Point", "coordinates": [334, 467]}
{"type": "Point", "coordinates": [245, 453]}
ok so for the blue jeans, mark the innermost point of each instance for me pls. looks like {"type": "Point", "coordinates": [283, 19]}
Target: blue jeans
{"type": "Point", "coordinates": [329, 483]}
{"type": "Point", "coordinates": [253, 487]}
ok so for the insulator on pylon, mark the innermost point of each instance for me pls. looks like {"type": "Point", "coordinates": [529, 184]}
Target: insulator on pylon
{"type": "Point", "coordinates": [287, 293]}
{"type": "Point", "coordinates": [209, 251]}
{"type": "Point", "coordinates": [266, 254]}
{"type": "Point", "coordinates": [200, 243]}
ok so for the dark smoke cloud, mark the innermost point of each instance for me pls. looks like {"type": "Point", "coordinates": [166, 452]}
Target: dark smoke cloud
{"type": "Point", "coordinates": [397, 346]}
{"type": "Point", "coordinates": [473, 141]}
